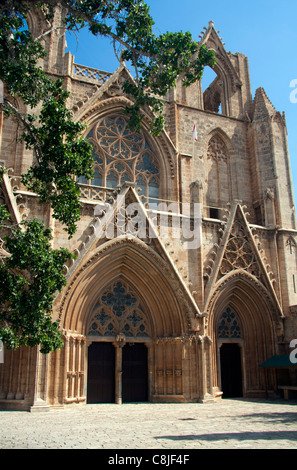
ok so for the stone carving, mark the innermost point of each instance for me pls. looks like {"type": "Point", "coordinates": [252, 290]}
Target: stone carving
{"type": "Point", "coordinates": [120, 155]}
{"type": "Point", "coordinates": [239, 253]}
{"type": "Point", "coordinates": [229, 325]}
{"type": "Point", "coordinates": [118, 311]}
{"type": "Point", "coordinates": [90, 74]}
{"type": "Point", "coordinates": [217, 149]}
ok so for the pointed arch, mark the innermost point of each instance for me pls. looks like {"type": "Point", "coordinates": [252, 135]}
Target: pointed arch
{"type": "Point", "coordinates": [122, 154]}
{"type": "Point", "coordinates": [227, 81]}
{"type": "Point", "coordinates": [36, 22]}
{"type": "Point", "coordinates": [132, 262]}
{"type": "Point", "coordinates": [251, 288]}
{"type": "Point", "coordinates": [118, 310]}
{"type": "Point", "coordinates": [219, 153]}
{"type": "Point", "coordinates": [260, 323]}
{"type": "Point", "coordinates": [165, 154]}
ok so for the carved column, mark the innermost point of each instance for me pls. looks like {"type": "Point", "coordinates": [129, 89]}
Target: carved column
{"type": "Point", "coordinates": [66, 360]}
{"type": "Point", "coordinates": [40, 389]}
{"type": "Point", "coordinates": [119, 343]}
{"type": "Point", "coordinates": [205, 359]}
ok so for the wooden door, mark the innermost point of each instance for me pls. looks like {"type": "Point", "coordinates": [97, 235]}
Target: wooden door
{"type": "Point", "coordinates": [135, 373]}
{"type": "Point", "coordinates": [101, 373]}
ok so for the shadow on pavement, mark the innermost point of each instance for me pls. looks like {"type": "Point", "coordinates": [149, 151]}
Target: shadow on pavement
{"type": "Point", "coordinates": [241, 436]}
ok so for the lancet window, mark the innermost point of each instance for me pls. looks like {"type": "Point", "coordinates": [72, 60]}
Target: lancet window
{"type": "Point", "coordinates": [120, 155]}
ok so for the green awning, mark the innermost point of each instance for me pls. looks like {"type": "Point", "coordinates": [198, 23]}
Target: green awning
{"type": "Point", "coordinates": [278, 362]}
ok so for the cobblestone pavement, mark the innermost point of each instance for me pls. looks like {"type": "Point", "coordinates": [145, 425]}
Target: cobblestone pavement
{"type": "Point", "coordinates": [227, 424]}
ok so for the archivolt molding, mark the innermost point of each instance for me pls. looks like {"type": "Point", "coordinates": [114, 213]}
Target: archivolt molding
{"type": "Point", "coordinates": [254, 286]}
{"type": "Point", "coordinates": [103, 107]}
{"type": "Point", "coordinates": [185, 306]}
{"type": "Point", "coordinates": [225, 67]}
{"type": "Point", "coordinates": [36, 21]}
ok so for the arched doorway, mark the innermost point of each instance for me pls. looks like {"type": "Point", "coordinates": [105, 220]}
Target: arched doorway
{"type": "Point", "coordinates": [118, 356]}
{"type": "Point", "coordinates": [123, 295]}
{"type": "Point", "coordinates": [242, 322]}
{"type": "Point", "coordinates": [230, 338]}
{"type": "Point", "coordinates": [231, 371]}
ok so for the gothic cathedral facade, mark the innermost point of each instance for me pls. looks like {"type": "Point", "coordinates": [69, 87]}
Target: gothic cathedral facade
{"type": "Point", "coordinates": [185, 277]}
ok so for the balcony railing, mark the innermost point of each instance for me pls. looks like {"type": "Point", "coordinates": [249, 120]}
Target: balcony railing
{"type": "Point", "coordinates": [89, 74]}
{"type": "Point", "coordinates": [97, 193]}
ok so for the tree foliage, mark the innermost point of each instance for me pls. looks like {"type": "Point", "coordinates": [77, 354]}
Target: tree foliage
{"type": "Point", "coordinates": [29, 280]}
{"type": "Point", "coordinates": [158, 60]}
{"type": "Point", "coordinates": [32, 273]}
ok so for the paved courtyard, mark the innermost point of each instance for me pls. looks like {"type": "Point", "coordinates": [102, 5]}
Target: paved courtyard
{"type": "Point", "coordinates": [227, 424]}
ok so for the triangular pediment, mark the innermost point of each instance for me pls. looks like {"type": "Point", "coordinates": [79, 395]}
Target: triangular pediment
{"type": "Point", "coordinates": [238, 251]}
{"type": "Point", "coordinates": [111, 88]}
{"type": "Point", "coordinates": [126, 220]}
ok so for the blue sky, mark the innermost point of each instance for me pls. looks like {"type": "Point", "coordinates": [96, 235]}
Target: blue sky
{"type": "Point", "coordinates": [263, 30]}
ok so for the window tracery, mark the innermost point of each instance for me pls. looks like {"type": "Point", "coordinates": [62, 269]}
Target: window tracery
{"type": "Point", "coordinates": [239, 253]}
{"type": "Point", "coordinates": [218, 178]}
{"type": "Point", "coordinates": [117, 311]}
{"type": "Point", "coordinates": [121, 154]}
{"type": "Point", "coordinates": [229, 325]}
{"type": "Point", "coordinates": [217, 149]}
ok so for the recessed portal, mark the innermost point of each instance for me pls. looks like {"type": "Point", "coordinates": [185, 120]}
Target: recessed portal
{"type": "Point", "coordinates": [231, 374]}
{"type": "Point", "coordinates": [135, 377]}
{"type": "Point", "coordinates": [101, 373]}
